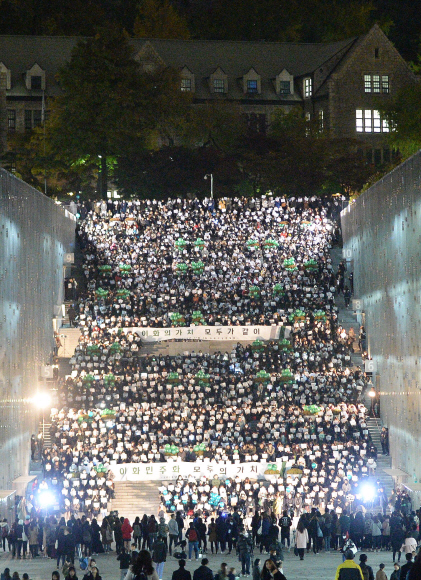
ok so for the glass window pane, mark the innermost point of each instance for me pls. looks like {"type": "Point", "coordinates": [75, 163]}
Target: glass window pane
{"type": "Point", "coordinates": [218, 85]}
{"type": "Point", "coordinates": [385, 83]}
{"type": "Point", "coordinates": [367, 83]}
{"type": "Point", "coordinates": [252, 86]}
{"type": "Point", "coordinates": [285, 88]}
{"type": "Point", "coordinates": [376, 84]}
{"type": "Point", "coordinates": [367, 121]}
{"type": "Point", "coordinates": [359, 121]}
{"type": "Point", "coordinates": [186, 84]}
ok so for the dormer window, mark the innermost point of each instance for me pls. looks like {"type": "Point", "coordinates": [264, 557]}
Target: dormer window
{"type": "Point", "coordinates": [186, 85]}
{"type": "Point", "coordinates": [4, 70]}
{"type": "Point", "coordinates": [218, 86]}
{"type": "Point", "coordinates": [35, 78]}
{"type": "Point", "coordinates": [218, 81]}
{"type": "Point", "coordinates": [251, 82]}
{"type": "Point", "coordinates": [308, 88]}
{"type": "Point", "coordinates": [252, 86]}
{"type": "Point", "coordinates": [36, 83]}
{"type": "Point", "coordinates": [284, 83]}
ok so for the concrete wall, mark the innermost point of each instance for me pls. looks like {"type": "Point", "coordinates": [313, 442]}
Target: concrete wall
{"type": "Point", "coordinates": [35, 233]}
{"type": "Point", "coordinates": [382, 233]}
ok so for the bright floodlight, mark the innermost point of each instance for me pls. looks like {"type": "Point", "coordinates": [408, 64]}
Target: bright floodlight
{"type": "Point", "coordinates": [368, 492]}
{"type": "Point", "coordinates": [42, 400]}
{"type": "Point", "coordinates": [372, 393]}
{"type": "Point", "coordinates": [46, 499]}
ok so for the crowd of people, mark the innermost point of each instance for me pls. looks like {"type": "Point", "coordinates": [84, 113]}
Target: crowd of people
{"type": "Point", "coordinates": [295, 402]}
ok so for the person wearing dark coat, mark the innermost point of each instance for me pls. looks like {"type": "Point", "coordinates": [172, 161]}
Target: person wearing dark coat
{"type": "Point", "coordinates": [203, 572]}
{"type": "Point", "coordinates": [97, 547]}
{"type": "Point", "coordinates": [69, 545]}
{"type": "Point", "coordinates": [181, 573]}
{"type": "Point", "coordinates": [61, 546]}
{"type": "Point", "coordinates": [397, 538]}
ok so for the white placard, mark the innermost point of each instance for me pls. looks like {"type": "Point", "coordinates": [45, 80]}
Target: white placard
{"type": "Point", "coordinates": [206, 333]}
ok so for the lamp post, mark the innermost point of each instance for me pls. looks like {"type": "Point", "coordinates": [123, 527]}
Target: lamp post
{"type": "Point", "coordinates": [211, 180]}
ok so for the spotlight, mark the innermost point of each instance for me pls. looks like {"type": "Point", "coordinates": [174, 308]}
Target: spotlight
{"type": "Point", "coordinates": [46, 499]}
{"type": "Point", "coordinates": [368, 492]}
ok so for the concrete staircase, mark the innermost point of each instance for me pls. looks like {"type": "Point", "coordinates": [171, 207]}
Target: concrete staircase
{"type": "Point", "coordinates": [135, 498]}
{"type": "Point", "coordinates": [383, 461]}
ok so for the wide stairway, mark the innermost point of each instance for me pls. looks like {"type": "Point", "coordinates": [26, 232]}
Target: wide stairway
{"type": "Point", "coordinates": [135, 498]}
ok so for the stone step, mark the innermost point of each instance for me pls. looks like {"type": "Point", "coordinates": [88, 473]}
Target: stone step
{"type": "Point", "coordinates": [136, 498]}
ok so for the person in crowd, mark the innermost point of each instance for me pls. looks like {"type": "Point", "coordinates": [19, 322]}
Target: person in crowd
{"type": "Point", "coordinates": [92, 574]}
{"type": "Point", "coordinates": [173, 533]}
{"type": "Point", "coordinates": [203, 572]}
{"type": "Point", "coordinates": [71, 574]}
{"type": "Point", "coordinates": [367, 570]}
{"type": "Point", "coordinates": [381, 574]}
{"type": "Point", "coordinates": [143, 566]}
{"type": "Point", "coordinates": [349, 570]}
{"type": "Point", "coordinates": [6, 574]}
{"type": "Point", "coordinates": [124, 559]}
{"type": "Point", "coordinates": [273, 570]}
{"type": "Point", "coordinates": [415, 571]}
{"type": "Point", "coordinates": [193, 540]}
{"type": "Point", "coordinates": [126, 530]}
{"type": "Point", "coordinates": [396, 574]}
{"type": "Point", "coordinates": [181, 573]}
{"type": "Point", "coordinates": [301, 539]}
{"type": "Point", "coordinates": [244, 551]}
{"type": "Point", "coordinates": [222, 573]}
{"type": "Point", "coordinates": [159, 555]}
{"type": "Point", "coordinates": [405, 569]}
{"type": "Point", "coordinates": [256, 569]}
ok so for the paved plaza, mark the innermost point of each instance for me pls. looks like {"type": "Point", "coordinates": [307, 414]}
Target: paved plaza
{"type": "Point", "coordinates": [314, 567]}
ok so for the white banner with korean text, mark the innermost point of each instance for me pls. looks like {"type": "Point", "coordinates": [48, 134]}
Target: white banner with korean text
{"type": "Point", "coordinates": [206, 333]}
{"type": "Point", "coordinates": [171, 470]}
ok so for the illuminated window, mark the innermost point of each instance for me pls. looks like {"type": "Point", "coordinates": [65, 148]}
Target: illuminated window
{"type": "Point", "coordinates": [370, 121]}
{"type": "Point", "coordinates": [376, 84]}
{"type": "Point", "coordinates": [218, 86]}
{"type": "Point", "coordinates": [367, 83]}
{"type": "Point", "coordinates": [186, 84]}
{"type": "Point", "coordinates": [308, 91]}
{"type": "Point", "coordinates": [252, 86]}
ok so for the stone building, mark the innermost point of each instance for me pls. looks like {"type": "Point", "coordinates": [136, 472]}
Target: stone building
{"type": "Point", "coordinates": [337, 83]}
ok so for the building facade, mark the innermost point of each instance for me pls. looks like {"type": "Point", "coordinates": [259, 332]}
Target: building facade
{"type": "Point", "coordinates": [338, 84]}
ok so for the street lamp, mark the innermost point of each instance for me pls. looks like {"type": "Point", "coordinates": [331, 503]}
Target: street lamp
{"type": "Point", "coordinates": [43, 401]}
{"type": "Point", "coordinates": [211, 180]}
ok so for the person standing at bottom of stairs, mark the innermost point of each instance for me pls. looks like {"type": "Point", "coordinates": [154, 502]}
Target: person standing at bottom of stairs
{"type": "Point", "coordinates": [159, 555]}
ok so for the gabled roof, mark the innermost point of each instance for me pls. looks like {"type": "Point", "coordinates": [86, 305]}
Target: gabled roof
{"type": "Point", "coordinates": [202, 57]}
